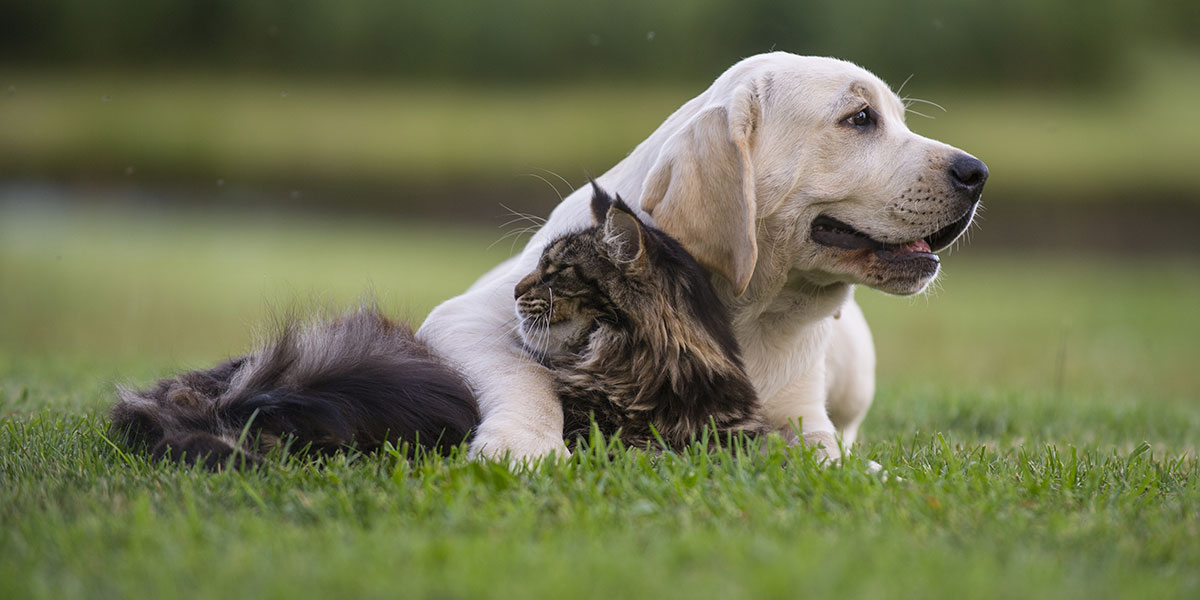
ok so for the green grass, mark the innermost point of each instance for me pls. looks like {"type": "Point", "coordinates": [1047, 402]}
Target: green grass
{"type": "Point", "coordinates": [1060, 145]}
{"type": "Point", "coordinates": [1041, 412]}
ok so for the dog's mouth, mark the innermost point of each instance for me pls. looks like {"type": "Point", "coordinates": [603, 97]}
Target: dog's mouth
{"type": "Point", "coordinates": [833, 233]}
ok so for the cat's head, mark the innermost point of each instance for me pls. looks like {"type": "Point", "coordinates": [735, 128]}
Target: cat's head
{"type": "Point", "coordinates": [622, 273]}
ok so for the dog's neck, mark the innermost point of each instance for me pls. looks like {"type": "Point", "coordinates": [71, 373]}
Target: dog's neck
{"type": "Point", "coordinates": [791, 300]}
{"type": "Point", "coordinates": [784, 332]}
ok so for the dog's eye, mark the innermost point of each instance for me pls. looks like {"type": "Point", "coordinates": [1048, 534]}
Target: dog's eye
{"type": "Point", "coordinates": [861, 119]}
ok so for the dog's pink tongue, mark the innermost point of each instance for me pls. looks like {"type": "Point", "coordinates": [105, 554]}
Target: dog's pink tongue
{"type": "Point", "coordinates": [917, 246]}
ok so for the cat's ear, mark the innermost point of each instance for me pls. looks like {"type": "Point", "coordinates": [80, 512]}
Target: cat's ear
{"type": "Point", "coordinates": [601, 202]}
{"type": "Point", "coordinates": [624, 235]}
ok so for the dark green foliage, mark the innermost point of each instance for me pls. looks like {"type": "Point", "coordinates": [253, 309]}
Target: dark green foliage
{"type": "Point", "coordinates": [943, 40]}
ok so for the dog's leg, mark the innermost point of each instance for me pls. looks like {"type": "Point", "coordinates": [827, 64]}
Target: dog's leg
{"type": "Point", "coordinates": [522, 417]}
{"type": "Point", "coordinates": [849, 372]}
{"type": "Point", "coordinates": [803, 400]}
{"type": "Point", "coordinates": [850, 375]}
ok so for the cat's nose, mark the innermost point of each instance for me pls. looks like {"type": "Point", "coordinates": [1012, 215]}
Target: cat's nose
{"type": "Point", "coordinates": [525, 285]}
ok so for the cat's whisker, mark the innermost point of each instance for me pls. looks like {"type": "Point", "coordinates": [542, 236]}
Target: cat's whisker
{"type": "Point", "coordinates": [552, 186]}
{"type": "Point", "coordinates": [540, 337]}
{"type": "Point", "coordinates": [515, 235]}
{"type": "Point", "coordinates": [570, 186]}
{"type": "Point", "coordinates": [528, 332]}
{"type": "Point", "coordinates": [546, 329]}
{"type": "Point", "coordinates": [535, 221]}
{"type": "Point", "coordinates": [520, 217]}
{"type": "Point", "coordinates": [549, 315]}
{"type": "Point", "coordinates": [506, 330]}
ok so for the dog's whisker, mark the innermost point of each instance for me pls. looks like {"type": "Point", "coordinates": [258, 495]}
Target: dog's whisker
{"type": "Point", "coordinates": [909, 100]}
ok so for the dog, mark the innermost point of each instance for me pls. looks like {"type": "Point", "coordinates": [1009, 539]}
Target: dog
{"type": "Point", "coordinates": [791, 179]}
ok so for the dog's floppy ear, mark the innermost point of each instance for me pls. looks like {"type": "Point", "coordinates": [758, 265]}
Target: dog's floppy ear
{"type": "Point", "coordinates": [701, 189]}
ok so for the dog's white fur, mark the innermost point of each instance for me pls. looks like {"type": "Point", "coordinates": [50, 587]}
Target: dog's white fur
{"type": "Point", "coordinates": [738, 174]}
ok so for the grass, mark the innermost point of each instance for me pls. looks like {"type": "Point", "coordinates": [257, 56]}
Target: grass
{"type": "Point", "coordinates": [1041, 412]}
{"type": "Point", "coordinates": [1059, 145]}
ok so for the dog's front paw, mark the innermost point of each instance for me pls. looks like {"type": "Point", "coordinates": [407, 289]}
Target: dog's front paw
{"type": "Point", "coordinates": [825, 446]}
{"type": "Point", "coordinates": [515, 444]}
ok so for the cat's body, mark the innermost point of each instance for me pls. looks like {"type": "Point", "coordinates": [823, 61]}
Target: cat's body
{"type": "Point", "coordinates": [358, 380]}
{"type": "Point", "coordinates": [639, 342]}
{"type": "Point", "coordinates": [635, 335]}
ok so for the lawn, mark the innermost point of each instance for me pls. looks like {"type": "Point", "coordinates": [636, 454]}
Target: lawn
{"type": "Point", "coordinates": [1038, 416]}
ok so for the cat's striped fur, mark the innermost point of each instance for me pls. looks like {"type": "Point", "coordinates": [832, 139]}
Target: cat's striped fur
{"type": "Point", "coordinates": [634, 333]}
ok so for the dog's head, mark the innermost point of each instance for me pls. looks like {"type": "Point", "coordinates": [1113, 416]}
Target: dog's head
{"type": "Point", "coordinates": [805, 166]}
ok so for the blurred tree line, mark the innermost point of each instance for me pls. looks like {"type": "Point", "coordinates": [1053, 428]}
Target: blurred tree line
{"type": "Point", "coordinates": [1033, 42]}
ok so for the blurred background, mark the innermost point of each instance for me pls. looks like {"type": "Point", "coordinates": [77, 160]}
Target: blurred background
{"type": "Point", "coordinates": [173, 172]}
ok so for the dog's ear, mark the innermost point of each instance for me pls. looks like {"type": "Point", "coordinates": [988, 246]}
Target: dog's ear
{"type": "Point", "coordinates": [701, 189]}
{"type": "Point", "coordinates": [624, 236]}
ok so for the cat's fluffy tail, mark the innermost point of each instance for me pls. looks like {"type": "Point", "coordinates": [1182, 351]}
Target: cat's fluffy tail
{"type": "Point", "coordinates": [358, 380]}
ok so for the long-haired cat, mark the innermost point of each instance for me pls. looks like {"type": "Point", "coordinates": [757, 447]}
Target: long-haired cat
{"type": "Point", "coordinates": [636, 337]}
{"type": "Point", "coordinates": [357, 380]}
{"type": "Point", "coordinates": [623, 315]}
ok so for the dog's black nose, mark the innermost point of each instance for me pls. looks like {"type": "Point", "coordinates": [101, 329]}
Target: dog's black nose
{"type": "Point", "coordinates": [968, 174]}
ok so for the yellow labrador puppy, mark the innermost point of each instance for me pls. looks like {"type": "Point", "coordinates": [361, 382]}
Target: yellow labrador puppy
{"type": "Point", "coordinates": [792, 179]}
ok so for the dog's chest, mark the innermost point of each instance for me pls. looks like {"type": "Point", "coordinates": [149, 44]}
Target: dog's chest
{"type": "Point", "coordinates": [789, 339]}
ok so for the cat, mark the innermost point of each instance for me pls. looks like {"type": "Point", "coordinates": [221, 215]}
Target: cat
{"type": "Point", "coordinates": [358, 380]}
{"type": "Point", "coordinates": [633, 331]}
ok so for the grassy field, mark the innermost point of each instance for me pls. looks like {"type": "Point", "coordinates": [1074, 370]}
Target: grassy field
{"type": "Point", "coordinates": [1042, 413]}
{"type": "Point", "coordinates": [1059, 145]}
